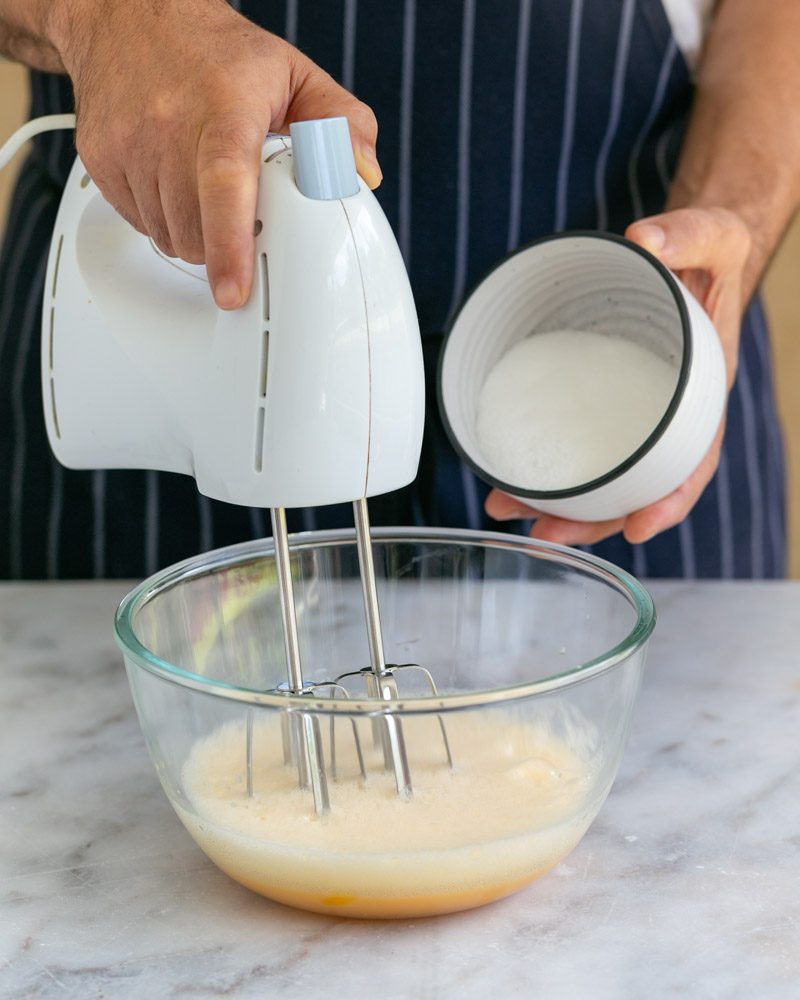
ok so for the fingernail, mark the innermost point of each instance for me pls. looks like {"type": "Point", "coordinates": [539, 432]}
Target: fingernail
{"type": "Point", "coordinates": [651, 237]}
{"type": "Point", "coordinates": [367, 166]}
{"type": "Point", "coordinates": [227, 294]}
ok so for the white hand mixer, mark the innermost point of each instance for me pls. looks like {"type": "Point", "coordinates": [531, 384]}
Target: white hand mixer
{"type": "Point", "coordinates": [310, 394]}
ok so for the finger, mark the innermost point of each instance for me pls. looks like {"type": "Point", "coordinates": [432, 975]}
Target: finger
{"type": "Point", "coordinates": [549, 528]}
{"type": "Point", "coordinates": [320, 96]}
{"type": "Point", "coordinates": [502, 507]}
{"type": "Point", "coordinates": [148, 204]}
{"type": "Point", "coordinates": [644, 524]}
{"type": "Point", "coordinates": [178, 189]}
{"type": "Point", "coordinates": [694, 238]}
{"type": "Point", "coordinates": [124, 204]}
{"type": "Point", "coordinates": [228, 160]}
{"type": "Point", "coordinates": [114, 187]}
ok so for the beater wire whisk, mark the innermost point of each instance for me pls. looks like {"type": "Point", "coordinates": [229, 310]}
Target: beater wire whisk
{"type": "Point", "coordinates": [301, 731]}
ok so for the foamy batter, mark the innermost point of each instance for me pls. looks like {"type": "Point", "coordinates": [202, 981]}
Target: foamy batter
{"type": "Point", "coordinates": [562, 408]}
{"type": "Point", "coordinates": [517, 803]}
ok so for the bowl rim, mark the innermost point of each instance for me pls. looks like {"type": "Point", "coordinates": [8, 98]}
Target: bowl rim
{"type": "Point", "coordinates": [200, 565]}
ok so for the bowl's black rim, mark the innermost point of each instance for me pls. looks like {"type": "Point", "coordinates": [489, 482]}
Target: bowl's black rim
{"type": "Point", "coordinates": [133, 650]}
{"type": "Point", "coordinates": [647, 445]}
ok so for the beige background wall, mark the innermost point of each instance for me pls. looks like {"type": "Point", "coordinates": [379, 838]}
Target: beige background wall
{"type": "Point", "coordinates": [782, 290]}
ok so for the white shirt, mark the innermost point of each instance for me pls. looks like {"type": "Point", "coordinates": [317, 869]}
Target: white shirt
{"type": "Point", "coordinates": [690, 20]}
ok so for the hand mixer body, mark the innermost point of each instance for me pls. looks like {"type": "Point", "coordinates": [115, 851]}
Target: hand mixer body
{"type": "Point", "coordinates": [312, 393]}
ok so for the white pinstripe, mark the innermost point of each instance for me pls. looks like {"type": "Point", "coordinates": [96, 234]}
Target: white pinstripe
{"type": "Point", "coordinates": [639, 560]}
{"type": "Point", "coordinates": [661, 160]}
{"type": "Point", "coordinates": [151, 522]}
{"type": "Point", "coordinates": [464, 131]}
{"type": "Point", "coordinates": [776, 534]}
{"type": "Point", "coordinates": [416, 507]}
{"type": "Point", "coordinates": [19, 252]}
{"type": "Point", "coordinates": [518, 126]}
{"type": "Point", "coordinates": [29, 327]}
{"type": "Point", "coordinates": [636, 151]}
{"type": "Point", "coordinates": [99, 507]}
{"type": "Point", "coordinates": [725, 509]}
{"type": "Point", "coordinates": [471, 502]}
{"type": "Point", "coordinates": [257, 523]}
{"type": "Point", "coordinates": [462, 215]}
{"type": "Point", "coordinates": [617, 97]}
{"type": "Point", "coordinates": [406, 125]}
{"type": "Point", "coordinates": [205, 514]}
{"type": "Point", "coordinates": [568, 126]}
{"type": "Point", "coordinates": [743, 389]}
{"type": "Point", "coordinates": [309, 519]}
{"type": "Point", "coordinates": [290, 32]}
{"type": "Point", "coordinates": [54, 521]}
{"type": "Point", "coordinates": [686, 540]}
{"type": "Point", "coordinates": [725, 517]}
{"type": "Point", "coordinates": [349, 44]}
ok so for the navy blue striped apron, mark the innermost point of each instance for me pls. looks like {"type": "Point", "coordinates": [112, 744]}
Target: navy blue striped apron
{"type": "Point", "coordinates": [500, 121]}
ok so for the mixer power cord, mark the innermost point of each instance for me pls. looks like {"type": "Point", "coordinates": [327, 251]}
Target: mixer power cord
{"type": "Point", "coordinates": [47, 123]}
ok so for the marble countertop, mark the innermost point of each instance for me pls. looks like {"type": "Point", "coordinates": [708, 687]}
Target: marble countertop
{"type": "Point", "coordinates": [687, 885]}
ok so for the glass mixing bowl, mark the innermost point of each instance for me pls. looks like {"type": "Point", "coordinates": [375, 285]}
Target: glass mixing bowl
{"type": "Point", "coordinates": [537, 652]}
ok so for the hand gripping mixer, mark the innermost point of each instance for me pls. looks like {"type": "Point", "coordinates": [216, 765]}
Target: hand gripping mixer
{"type": "Point", "coordinates": [311, 394]}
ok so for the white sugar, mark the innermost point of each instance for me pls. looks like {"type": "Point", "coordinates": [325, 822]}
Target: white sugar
{"type": "Point", "coordinates": [564, 407]}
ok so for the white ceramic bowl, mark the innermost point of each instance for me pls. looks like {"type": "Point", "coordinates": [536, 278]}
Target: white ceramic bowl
{"type": "Point", "coordinates": [601, 283]}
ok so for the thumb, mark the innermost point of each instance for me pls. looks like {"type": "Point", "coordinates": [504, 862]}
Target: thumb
{"type": "Point", "coordinates": [318, 95]}
{"type": "Point", "coordinates": [708, 248]}
{"type": "Point", "coordinates": [704, 238]}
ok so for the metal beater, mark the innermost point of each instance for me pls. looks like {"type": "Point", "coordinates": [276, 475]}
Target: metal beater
{"type": "Point", "coordinates": [302, 737]}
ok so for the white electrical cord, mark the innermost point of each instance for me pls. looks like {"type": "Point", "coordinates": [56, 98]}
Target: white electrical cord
{"type": "Point", "coordinates": [47, 123]}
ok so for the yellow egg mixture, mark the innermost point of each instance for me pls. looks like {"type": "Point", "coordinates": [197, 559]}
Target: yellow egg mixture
{"type": "Point", "coordinates": [517, 802]}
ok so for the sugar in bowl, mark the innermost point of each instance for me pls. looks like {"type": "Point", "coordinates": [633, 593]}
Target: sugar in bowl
{"type": "Point", "coordinates": [582, 377]}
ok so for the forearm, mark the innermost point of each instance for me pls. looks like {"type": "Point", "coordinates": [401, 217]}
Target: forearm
{"type": "Point", "coordinates": [742, 150]}
{"type": "Point", "coordinates": [27, 30]}
{"type": "Point", "coordinates": [54, 35]}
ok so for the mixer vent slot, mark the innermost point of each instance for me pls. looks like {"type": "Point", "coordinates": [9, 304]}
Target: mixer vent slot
{"type": "Point", "coordinates": [52, 324]}
{"type": "Point", "coordinates": [259, 456]}
{"type": "Point", "coordinates": [58, 261]}
{"type": "Point", "coordinates": [55, 411]}
{"type": "Point", "coordinates": [264, 365]}
{"type": "Point", "coordinates": [264, 286]}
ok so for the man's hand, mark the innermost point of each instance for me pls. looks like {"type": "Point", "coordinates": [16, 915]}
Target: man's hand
{"type": "Point", "coordinates": [173, 104]}
{"type": "Point", "coordinates": [708, 248]}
